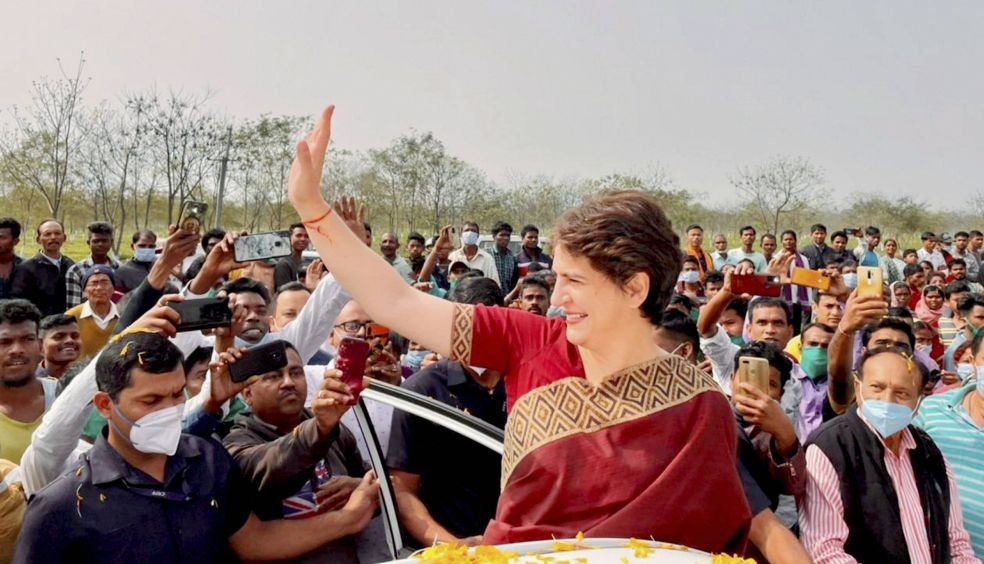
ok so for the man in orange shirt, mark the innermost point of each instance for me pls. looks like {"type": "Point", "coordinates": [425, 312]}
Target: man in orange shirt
{"type": "Point", "coordinates": [695, 238]}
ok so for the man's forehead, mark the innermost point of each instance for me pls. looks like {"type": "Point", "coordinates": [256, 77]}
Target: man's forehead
{"type": "Point", "coordinates": [352, 312]}
{"type": "Point", "coordinates": [147, 383]}
{"type": "Point", "coordinates": [19, 328]}
{"type": "Point", "coordinates": [816, 334]}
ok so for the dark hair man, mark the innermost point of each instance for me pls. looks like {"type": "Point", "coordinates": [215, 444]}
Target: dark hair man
{"type": "Point", "coordinates": [415, 252]}
{"type": "Point", "coordinates": [745, 252]}
{"type": "Point", "coordinates": [10, 230]}
{"type": "Point", "coordinates": [131, 273]}
{"type": "Point", "coordinates": [769, 246]}
{"type": "Point", "coordinates": [817, 252]}
{"type": "Point", "coordinates": [389, 245]}
{"type": "Point", "coordinates": [838, 248]}
{"type": "Point", "coordinates": [878, 489]}
{"type": "Point", "coordinates": [474, 257]}
{"type": "Point", "coordinates": [505, 262]}
{"type": "Point", "coordinates": [210, 239]}
{"type": "Point", "coordinates": [865, 254]}
{"type": "Point", "coordinates": [929, 252]}
{"type": "Point", "coordinates": [977, 244]}
{"type": "Point", "coordinates": [534, 296]}
{"type": "Point", "coordinates": [100, 243]}
{"type": "Point", "coordinates": [961, 250]}
{"type": "Point", "coordinates": [289, 268]}
{"type": "Point", "coordinates": [41, 278]}
{"type": "Point", "coordinates": [164, 495]}
{"type": "Point", "coordinates": [677, 334]}
{"type": "Point", "coordinates": [300, 462]}
{"type": "Point", "coordinates": [531, 251]}
{"type": "Point", "coordinates": [61, 345]}
{"type": "Point", "coordinates": [695, 248]}
{"type": "Point", "coordinates": [23, 396]}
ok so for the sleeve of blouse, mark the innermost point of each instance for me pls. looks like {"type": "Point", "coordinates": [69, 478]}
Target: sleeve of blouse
{"type": "Point", "coordinates": [497, 338]}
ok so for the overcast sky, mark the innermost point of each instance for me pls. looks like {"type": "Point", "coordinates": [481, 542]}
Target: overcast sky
{"type": "Point", "coordinates": [882, 95]}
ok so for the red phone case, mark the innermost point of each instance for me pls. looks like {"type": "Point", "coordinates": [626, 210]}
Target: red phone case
{"type": "Point", "coordinates": [351, 361]}
{"type": "Point", "coordinates": [764, 285]}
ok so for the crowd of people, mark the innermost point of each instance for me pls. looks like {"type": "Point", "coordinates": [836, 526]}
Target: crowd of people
{"type": "Point", "coordinates": [612, 364]}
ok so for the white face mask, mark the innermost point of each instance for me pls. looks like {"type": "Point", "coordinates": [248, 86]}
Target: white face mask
{"type": "Point", "coordinates": [144, 255]}
{"type": "Point", "coordinates": [157, 432]}
{"type": "Point", "coordinates": [469, 238]}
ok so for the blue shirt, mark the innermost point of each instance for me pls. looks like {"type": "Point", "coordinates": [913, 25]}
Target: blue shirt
{"type": "Point", "coordinates": [105, 510]}
{"type": "Point", "coordinates": [961, 441]}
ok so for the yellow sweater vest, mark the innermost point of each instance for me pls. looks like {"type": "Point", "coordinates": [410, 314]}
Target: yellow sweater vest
{"type": "Point", "coordinates": [93, 338]}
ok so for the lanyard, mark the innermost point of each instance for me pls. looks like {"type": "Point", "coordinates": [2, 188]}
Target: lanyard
{"type": "Point", "coordinates": [156, 493]}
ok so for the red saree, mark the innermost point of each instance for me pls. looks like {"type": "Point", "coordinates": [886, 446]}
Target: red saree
{"type": "Point", "coordinates": [650, 452]}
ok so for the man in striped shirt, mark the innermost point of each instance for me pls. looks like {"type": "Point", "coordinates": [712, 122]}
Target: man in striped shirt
{"type": "Point", "coordinates": [877, 488]}
{"type": "Point", "coordinates": [955, 421]}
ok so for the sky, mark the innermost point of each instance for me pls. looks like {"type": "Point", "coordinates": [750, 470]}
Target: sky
{"type": "Point", "coordinates": [883, 96]}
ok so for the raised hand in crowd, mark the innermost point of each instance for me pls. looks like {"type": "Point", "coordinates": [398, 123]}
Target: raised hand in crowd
{"type": "Point", "coordinates": [223, 388]}
{"type": "Point", "coordinates": [330, 402]}
{"type": "Point", "coordinates": [315, 272]}
{"type": "Point", "coordinates": [443, 239]}
{"type": "Point", "coordinates": [219, 262]}
{"type": "Point", "coordinates": [179, 245]}
{"type": "Point", "coordinates": [383, 365]}
{"type": "Point", "coordinates": [779, 266]}
{"type": "Point", "coordinates": [761, 410]}
{"type": "Point", "coordinates": [159, 319]}
{"type": "Point", "coordinates": [860, 311]}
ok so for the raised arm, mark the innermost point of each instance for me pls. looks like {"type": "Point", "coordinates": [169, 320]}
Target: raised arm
{"type": "Point", "coordinates": [859, 312]}
{"type": "Point", "coordinates": [373, 283]}
{"type": "Point", "coordinates": [431, 262]}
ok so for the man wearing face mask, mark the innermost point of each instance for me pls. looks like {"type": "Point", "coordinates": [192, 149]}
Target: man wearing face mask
{"type": "Point", "coordinates": [955, 421]}
{"type": "Point", "coordinates": [688, 283]}
{"type": "Point", "coordinates": [131, 273]}
{"type": "Point", "coordinates": [471, 255]}
{"type": "Point", "coordinates": [877, 488]}
{"type": "Point", "coordinates": [148, 493]}
{"type": "Point", "coordinates": [849, 273]}
{"type": "Point", "coordinates": [972, 311]}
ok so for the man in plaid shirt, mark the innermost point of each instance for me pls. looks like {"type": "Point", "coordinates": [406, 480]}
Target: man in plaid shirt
{"type": "Point", "coordinates": [505, 262]}
{"type": "Point", "coordinates": [100, 243]}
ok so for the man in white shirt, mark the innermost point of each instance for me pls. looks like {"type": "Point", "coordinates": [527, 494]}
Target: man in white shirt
{"type": "Point", "coordinates": [720, 254]}
{"type": "Point", "coordinates": [475, 258]}
{"type": "Point", "coordinates": [928, 252]}
{"type": "Point", "coordinates": [745, 252]}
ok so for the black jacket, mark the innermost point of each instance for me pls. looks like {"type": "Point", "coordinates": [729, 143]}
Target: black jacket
{"type": "Point", "coordinates": [42, 283]}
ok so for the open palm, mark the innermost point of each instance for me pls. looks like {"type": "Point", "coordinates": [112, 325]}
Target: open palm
{"type": "Point", "coordinates": [304, 182]}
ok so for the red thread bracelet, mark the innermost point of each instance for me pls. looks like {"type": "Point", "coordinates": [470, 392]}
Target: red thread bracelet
{"type": "Point", "coordinates": [317, 221]}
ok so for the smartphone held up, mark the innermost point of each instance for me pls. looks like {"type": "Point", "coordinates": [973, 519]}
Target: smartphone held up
{"type": "Point", "coordinates": [353, 353]}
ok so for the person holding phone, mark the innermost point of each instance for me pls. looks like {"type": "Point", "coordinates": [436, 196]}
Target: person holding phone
{"type": "Point", "coordinates": [617, 260]}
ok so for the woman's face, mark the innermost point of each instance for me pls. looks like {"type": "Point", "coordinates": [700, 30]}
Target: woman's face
{"type": "Point", "coordinates": [937, 280]}
{"type": "Point", "coordinates": [927, 268]}
{"type": "Point", "coordinates": [902, 295]}
{"type": "Point", "coordinates": [596, 307]}
{"type": "Point", "coordinates": [934, 300]}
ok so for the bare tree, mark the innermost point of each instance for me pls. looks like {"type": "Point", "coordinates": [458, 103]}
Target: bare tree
{"type": "Point", "coordinates": [39, 151]}
{"type": "Point", "coordinates": [781, 187]}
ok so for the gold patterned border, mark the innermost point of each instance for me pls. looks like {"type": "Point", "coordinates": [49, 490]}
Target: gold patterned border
{"type": "Point", "coordinates": [462, 327]}
{"type": "Point", "coordinates": [573, 405]}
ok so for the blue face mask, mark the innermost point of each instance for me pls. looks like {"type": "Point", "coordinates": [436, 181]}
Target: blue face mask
{"type": "Point", "coordinates": [851, 280]}
{"type": "Point", "coordinates": [469, 238]}
{"type": "Point", "coordinates": [965, 371]}
{"type": "Point", "coordinates": [689, 276]}
{"type": "Point", "coordinates": [887, 418]}
{"type": "Point", "coordinates": [413, 359]}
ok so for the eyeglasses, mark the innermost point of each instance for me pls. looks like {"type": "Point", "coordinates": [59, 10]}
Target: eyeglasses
{"type": "Point", "coordinates": [352, 327]}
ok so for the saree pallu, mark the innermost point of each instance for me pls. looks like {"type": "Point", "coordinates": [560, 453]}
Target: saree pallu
{"type": "Point", "coordinates": [649, 452]}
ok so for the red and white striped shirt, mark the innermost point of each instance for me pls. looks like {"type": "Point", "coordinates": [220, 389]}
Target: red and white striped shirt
{"type": "Point", "coordinates": [821, 514]}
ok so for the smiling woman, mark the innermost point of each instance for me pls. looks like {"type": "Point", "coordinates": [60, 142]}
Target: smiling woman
{"type": "Point", "coordinates": [605, 428]}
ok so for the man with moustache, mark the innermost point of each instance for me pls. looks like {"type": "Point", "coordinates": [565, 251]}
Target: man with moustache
{"type": "Point", "coordinates": [41, 278]}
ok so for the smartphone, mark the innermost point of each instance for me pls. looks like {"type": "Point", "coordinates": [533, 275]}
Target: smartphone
{"type": "Point", "coordinates": [202, 313]}
{"type": "Point", "coordinates": [351, 361]}
{"type": "Point", "coordinates": [377, 331]}
{"type": "Point", "coordinates": [755, 371]}
{"type": "Point", "coordinates": [260, 246]}
{"type": "Point", "coordinates": [764, 285]}
{"type": "Point", "coordinates": [810, 278]}
{"type": "Point", "coordinates": [870, 281]}
{"type": "Point", "coordinates": [455, 239]}
{"type": "Point", "coordinates": [192, 216]}
{"type": "Point", "coordinates": [261, 359]}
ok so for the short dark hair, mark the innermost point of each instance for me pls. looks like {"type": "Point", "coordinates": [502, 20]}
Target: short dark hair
{"type": "Point", "coordinates": [976, 233]}
{"type": "Point", "coordinates": [770, 352]}
{"type": "Point", "coordinates": [213, 233]}
{"type": "Point", "coordinates": [294, 286]}
{"type": "Point", "coordinates": [969, 302]}
{"type": "Point", "coordinates": [900, 312]}
{"type": "Point", "coordinates": [927, 235]}
{"type": "Point", "coordinates": [528, 228]}
{"type": "Point", "coordinates": [691, 260]}
{"type": "Point", "coordinates": [872, 231]}
{"type": "Point", "coordinates": [841, 234]}
{"type": "Point", "coordinates": [99, 228]}
{"type": "Point", "coordinates": [49, 220]}
{"type": "Point", "coordinates": [200, 354]}
{"type": "Point", "coordinates": [53, 321]}
{"type": "Point", "coordinates": [961, 234]}
{"type": "Point", "coordinates": [415, 236]}
{"type": "Point", "coordinates": [739, 306]}
{"type": "Point", "coordinates": [958, 261]}
{"type": "Point", "coordinates": [142, 233]}
{"type": "Point", "coordinates": [747, 228]}
{"type": "Point", "coordinates": [680, 299]}
{"type": "Point", "coordinates": [501, 226]}
{"type": "Point", "coordinates": [818, 227]}
{"type": "Point", "coordinates": [475, 290]}
{"type": "Point", "coordinates": [849, 263]}
{"type": "Point", "coordinates": [471, 224]}
{"type": "Point", "coordinates": [787, 232]}
{"type": "Point", "coordinates": [18, 311]}
{"type": "Point", "coordinates": [911, 269]}
{"type": "Point", "coordinates": [908, 252]}
{"type": "Point", "coordinates": [764, 303]}
{"type": "Point", "coordinates": [622, 234]}
{"type": "Point", "coordinates": [681, 325]}
{"type": "Point", "coordinates": [12, 224]}
{"type": "Point", "coordinates": [244, 284]}
{"type": "Point", "coordinates": [534, 281]}
{"type": "Point", "coordinates": [768, 235]}
{"type": "Point", "coordinates": [297, 225]}
{"type": "Point", "coordinates": [888, 323]}
{"type": "Point", "coordinates": [152, 352]}
{"type": "Point", "coordinates": [694, 226]}
{"type": "Point", "coordinates": [714, 277]}
{"type": "Point", "coordinates": [956, 287]}
{"type": "Point", "coordinates": [931, 288]}
{"type": "Point", "coordinates": [907, 355]}
{"type": "Point", "coordinates": [819, 326]}
{"type": "Point", "coordinates": [367, 226]}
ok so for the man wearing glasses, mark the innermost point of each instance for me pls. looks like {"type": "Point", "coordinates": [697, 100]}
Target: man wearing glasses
{"type": "Point", "coordinates": [97, 315]}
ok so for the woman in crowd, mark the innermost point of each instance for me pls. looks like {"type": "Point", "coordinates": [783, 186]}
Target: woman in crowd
{"type": "Point", "coordinates": [901, 294]}
{"type": "Point", "coordinates": [930, 307]}
{"type": "Point", "coordinates": [608, 434]}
